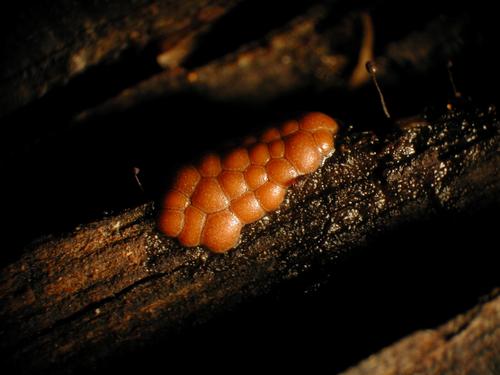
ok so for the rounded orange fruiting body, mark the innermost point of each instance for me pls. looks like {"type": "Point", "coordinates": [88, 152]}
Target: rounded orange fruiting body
{"type": "Point", "coordinates": [209, 204]}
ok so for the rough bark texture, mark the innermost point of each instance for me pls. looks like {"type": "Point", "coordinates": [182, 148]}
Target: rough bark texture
{"type": "Point", "coordinates": [302, 55]}
{"type": "Point", "coordinates": [72, 301]}
{"type": "Point", "coordinates": [65, 38]}
{"type": "Point", "coordinates": [468, 344]}
{"type": "Point", "coordinates": [315, 46]}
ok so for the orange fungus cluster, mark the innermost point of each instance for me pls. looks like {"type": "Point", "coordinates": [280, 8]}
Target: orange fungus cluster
{"type": "Point", "coordinates": [208, 204]}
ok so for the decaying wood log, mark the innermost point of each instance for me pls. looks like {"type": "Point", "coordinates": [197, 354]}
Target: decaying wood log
{"type": "Point", "coordinates": [300, 57]}
{"type": "Point", "coordinates": [468, 344]}
{"type": "Point", "coordinates": [66, 38]}
{"type": "Point", "coordinates": [116, 284]}
{"type": "Point", "coordinates": [317, 47]}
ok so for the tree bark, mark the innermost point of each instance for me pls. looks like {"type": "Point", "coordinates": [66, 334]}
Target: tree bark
{"type": "Point", "coordinates": [67, 38]}
{"type": "Point", "coordinates": [114, 284]}
{"type": "Point", "coordinates": [468, 344]}
{"type": "Point", "coordinates": [316, 46]}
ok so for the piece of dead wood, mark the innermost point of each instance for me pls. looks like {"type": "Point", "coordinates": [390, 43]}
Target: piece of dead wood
{"type": "Point", "coordinates": [50, 45]}
{"type": "Point", "coordinates": [299, 56]}
{"type": "Point", "coordinates": [296, 54]}
{"type": "Point", "coordinates": [112, 285]}
{"type": "Point", "coordinates": [317, 48]}
{"type": "Point", "coordinates": [468, 344]}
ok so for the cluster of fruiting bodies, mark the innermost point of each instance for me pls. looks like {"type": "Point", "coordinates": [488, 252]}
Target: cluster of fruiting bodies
{"type": "Point", "coordinates": [208, 204]}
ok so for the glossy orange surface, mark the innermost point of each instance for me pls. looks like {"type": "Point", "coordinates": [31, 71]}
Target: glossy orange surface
{"type": "Point", "coordinates": [209, 204]}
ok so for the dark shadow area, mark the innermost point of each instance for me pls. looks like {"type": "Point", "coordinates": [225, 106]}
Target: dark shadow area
{"type": "Point", "coordinates": [50, 115]}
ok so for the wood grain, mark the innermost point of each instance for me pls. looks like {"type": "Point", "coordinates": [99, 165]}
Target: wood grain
{"type": "Point", "coordinates": [117, 283]}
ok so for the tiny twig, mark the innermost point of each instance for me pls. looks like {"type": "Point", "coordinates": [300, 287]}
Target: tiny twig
{"type": "Point", "coordinates": [457, 93]}
{"type": "Point", "coordinates": [372, 70]}
{"type": "Point", "coordinates": [136, 176]}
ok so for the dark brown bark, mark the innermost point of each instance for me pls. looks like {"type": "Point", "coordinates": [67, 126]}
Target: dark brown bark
{"type": "Point", "coordinates": [317, 47]}
{"type": "Point", "coordinates": [63, 39]}
{"type": "Point", "coordinates": [302, 55]}
{"type": "Point", "coordinates": [468, 344]}
{"type": "Point", "coordinates": [67, 300]}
